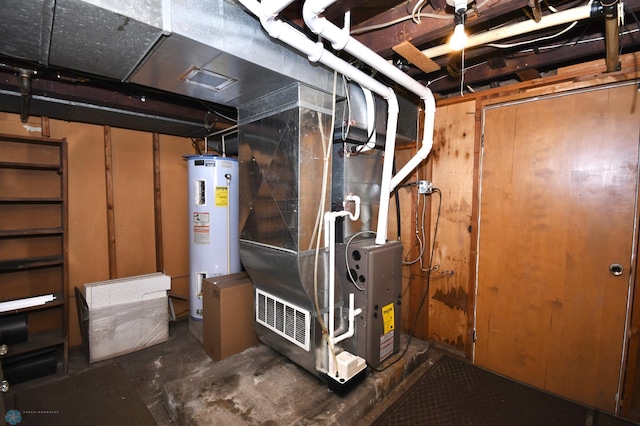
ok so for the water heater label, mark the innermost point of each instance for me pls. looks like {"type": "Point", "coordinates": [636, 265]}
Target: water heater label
{"type": "Point", "coordinates": [222, 196]}
{"type": "Point", "coordinates": [201, 228]}
{"type": "Point", "coordinates": [387, 318]}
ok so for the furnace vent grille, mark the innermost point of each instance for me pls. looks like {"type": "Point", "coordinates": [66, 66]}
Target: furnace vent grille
{"type": "Point", "coordinates": [283, 318]}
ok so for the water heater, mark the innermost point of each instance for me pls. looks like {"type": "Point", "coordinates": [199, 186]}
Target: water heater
{"type": "Point", "coordinates": [213, 223]}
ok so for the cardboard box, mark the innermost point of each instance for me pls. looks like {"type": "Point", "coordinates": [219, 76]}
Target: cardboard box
{"type": "Point", "coordinates": [228, 315]}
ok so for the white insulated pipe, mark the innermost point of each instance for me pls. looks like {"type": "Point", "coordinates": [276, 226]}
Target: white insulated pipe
{"type": "Point", "coordinates": [547, 21]}
{"type": "Point", "coordinates": [341, 39]}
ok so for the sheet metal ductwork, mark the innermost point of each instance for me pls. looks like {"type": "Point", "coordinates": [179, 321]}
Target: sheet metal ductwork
{"type": "Point", "coordinates": [281, 165]}
{"type": "Point", "coordinates": [206, 49]}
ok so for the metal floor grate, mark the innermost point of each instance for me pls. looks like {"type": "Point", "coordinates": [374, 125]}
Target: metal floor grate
{"type": "Point", "coordinates": [456, 393]}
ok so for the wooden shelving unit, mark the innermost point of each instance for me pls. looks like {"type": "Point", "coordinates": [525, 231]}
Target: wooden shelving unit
{"type": "Point", "coordinates": [33, 242]}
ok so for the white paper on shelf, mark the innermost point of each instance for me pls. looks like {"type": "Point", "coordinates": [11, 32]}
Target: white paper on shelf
{"type": "Point", "coordinates": [27, 302]}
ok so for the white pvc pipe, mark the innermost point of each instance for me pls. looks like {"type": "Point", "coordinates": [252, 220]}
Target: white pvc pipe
{"type": "Point", "coordinates": [387, 170]}
{"type": "Point", "coordinates": [330, 241]}
{"type": "Point", "coordinates": [547, 21]}
{"type": "Point", "coordinates": [277, 6]}
{"type": "Point", "coordinates": [315, 52]}
{"type": "Point", "coordinates": [353, 313]}
{"type": "Point", "coordinates": [340, 39]}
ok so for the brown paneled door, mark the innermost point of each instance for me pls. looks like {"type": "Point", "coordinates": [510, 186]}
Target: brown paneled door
{"type": "Point", "coordinates": [556, 240]}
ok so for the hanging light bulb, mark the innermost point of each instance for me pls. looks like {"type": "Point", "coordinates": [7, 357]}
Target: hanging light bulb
{"type": "Point", "coordinates": [459, 37]}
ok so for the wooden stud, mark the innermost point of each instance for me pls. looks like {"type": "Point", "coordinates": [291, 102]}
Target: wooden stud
{"type": "Point", "coordinates": [111, 224]}
{"type": "Point", "coordinates": [157, 202]}
{"type": "Point", "coordinates": [46, 129]}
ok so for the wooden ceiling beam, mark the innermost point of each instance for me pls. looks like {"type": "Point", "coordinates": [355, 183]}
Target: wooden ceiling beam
{"type": "Point", "coordinates": [482, 74]}
{"type": "Point", "coordinates": [383, 40]}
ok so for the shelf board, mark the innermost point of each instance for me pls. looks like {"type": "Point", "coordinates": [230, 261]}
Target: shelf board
{"type": "Point", "coordinates": [30, 139]}
{"type": "Point", "coordinates": [13, 200]}
{"type": "Point", "coordinates": [30, 232]}
{"type": "Point", "coordinates": [37, 341]}
{"type": "Point", "coordinates": [14, 265]}
{"type": "Point", "coordinates": [29, 166]}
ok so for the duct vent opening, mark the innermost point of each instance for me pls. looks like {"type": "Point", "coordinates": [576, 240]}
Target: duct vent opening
{"type": "Point", "coordinates": [208, 79]}
{"type": "Point", "coordinates": [283, 318]}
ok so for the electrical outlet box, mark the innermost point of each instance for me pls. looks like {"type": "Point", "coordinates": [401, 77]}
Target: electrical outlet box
{"type": "Point", "coordinates": [425, 187]}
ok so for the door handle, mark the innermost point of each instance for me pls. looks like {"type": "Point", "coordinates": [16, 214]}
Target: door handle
{"type": "Point", "coordinates": [616, 269]}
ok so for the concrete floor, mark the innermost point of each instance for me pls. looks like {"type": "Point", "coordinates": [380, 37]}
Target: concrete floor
{"type": "Point", "coordinates": [180, 384]}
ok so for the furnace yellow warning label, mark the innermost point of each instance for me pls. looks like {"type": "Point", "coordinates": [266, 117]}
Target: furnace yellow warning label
{"type": "Point", "coordinates": [222, 196]}
{"type": "Point", "coordinates": [387, 318]}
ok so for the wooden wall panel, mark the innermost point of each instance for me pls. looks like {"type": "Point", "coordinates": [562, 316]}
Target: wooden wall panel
{"type": "Point", "coordinates": [10, 124]}
{"type": "Point", "coordinates": [452, 171]}
{"type": "Point", "coordinates": [88, 256]}
{"type": "Point", "coordinates": [406, 196]}
{"type": "Point", "coordinates": [175, 215]}
{"type": "Point", "coordinates": [133, 202]}
{"type": "Point", "coordinates": [133, 173]}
